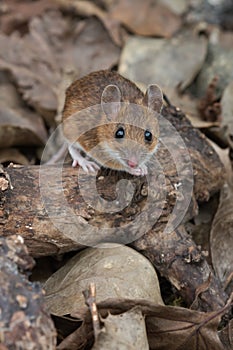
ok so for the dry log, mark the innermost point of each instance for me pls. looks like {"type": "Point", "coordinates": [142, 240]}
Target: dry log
{"type": "Point", "coordinates": [57, 209]}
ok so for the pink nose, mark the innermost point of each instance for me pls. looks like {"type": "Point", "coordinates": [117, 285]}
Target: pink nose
{"type": "Point", "coordinates": [132, 163]}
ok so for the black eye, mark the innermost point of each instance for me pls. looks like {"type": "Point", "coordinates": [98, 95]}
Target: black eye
{"type": "Point", "coordinates": [120, 133]}
{"type": "Point", "coordinates": [148, 136]}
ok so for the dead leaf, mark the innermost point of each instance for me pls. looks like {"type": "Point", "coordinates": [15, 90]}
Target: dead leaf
{"type": "Point", "coordinates": [226, 336]}
{"type": "Point", "coordinates": [225, 159]}
{"type": "Point", "coordinates": [181, 329]}
{"type": "Point", "coordinates": [87, 9]}
{"type": "Point", "coordinates": [12, 155]}
{"type": "Point", "coordinates": [177, 6]}
{"type": "Point", "coordinates": [227, 112]}
{"type": "Point", "coordinates": [78, 339]}
{"type": "Point", "coordinates": [116, 270]}
{"type": "Point", "coordinates": [125, 331]}
{"type": "Point", "coordinates": [93, 49]}
{"type": "Point", "coordinates": [188, 105]}
{"type": "Point", "coordinates": [18, 125]}
{"type": "Point", "coordinates": [18, 13]}
{"type": "Point", "coordinates": [170, 63]}
{"type": "Point", "coordinates": [209, 106]}
{"type": "Point", "coordinates": [54, 44]}
{"type": "Point", "coordinates": [218, 63]}
{"type": "Point", "coordinates": [145, 18]}
{"type": "Point", "coordinates": [169, 327]}
{"type": "Point", "coordinates": [36, 71]}
{"type": "Point", "coordinates": [221, 238]}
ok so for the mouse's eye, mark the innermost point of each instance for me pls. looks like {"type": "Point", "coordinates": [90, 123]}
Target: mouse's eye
{"type": "Point", "coordinates": [120, 133]}
{"type": "Point", "coordinates": [148, 136]}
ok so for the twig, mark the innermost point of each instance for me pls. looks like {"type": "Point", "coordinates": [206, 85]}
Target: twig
{"type": "Point", "coordinates": [90, 300]}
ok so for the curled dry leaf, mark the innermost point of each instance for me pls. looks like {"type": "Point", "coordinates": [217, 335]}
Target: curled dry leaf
{"type": "Point", "coordinates": [18, 125]}
{"type": "Point", "coordinates": [170, 63]}
{"type": "Point", "coordinates": [118, 271]}
{"type": "Point", "coordinates": [221, 238]}
{"type": "Point", "coordinates": [145, 18]}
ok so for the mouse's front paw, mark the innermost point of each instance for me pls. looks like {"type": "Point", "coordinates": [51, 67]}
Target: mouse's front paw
{"type": "Point", "coordinates": [86, 165]}
{"type": "Point", "coordinates": [140, 171]}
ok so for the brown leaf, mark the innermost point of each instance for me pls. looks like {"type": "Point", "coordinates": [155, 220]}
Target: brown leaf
{"type": "Point", "coordinates": [79, 339]}
{"type": "Point", "coordinates": [18, 13]}
{"type": "Point", "coordinates": [116, 270]}
{"type": "Point", "coordinates": [221, 238]}
{"type": "Point", "coordinates": [53, 45]}
{"type": "Point", "coordinates": [227, 112]}
{"type": "Point", "coordinates": [181, 329]}
{"type": "Point", "coordinates": [177, 6]}
{"type": "Point", "coordinates": [18, 125]}
{"type": "Point", "coordinates": [93, 49]}
{"type": "Point", "coordinates": [13, 155]}
{"type": "Point", "coordinates": [87, 9]}
{"type": "Point", "coordinates": [170, 63]}
{"type": "Point", "coordinates": [188, 105]}
{"type": "Point", "coordinates": [145, 17]}
{"type": "Point", "coordinates": [225, 159]}
{"type": "Point", "coordinates": [170, 327]}
{"type": "Point", "coordinates": [226, 335]}
{"type": "Point", "coordinates": [36, 71]}
{"type": "Point", "coordinates": [208, 106]}
{"type": "Point", "coordinates": [125, 331]}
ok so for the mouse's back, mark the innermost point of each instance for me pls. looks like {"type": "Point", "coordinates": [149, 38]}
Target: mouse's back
{"type": "Point", "coordinates": [87, 91]}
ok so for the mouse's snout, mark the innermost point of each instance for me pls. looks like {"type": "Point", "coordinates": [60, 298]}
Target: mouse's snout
{"type": "Point", "coordinates": [132, 162]}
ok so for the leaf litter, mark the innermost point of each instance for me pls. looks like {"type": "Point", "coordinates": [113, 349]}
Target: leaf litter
{"type": "Point", "coordinates": [147, 41]}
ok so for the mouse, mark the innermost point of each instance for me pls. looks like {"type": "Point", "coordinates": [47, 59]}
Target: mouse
{"type": "Point", "coordinates": [109, 122]}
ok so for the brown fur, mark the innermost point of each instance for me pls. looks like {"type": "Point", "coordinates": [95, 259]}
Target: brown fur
{"type": "Point", "coordinates": [87, 92]}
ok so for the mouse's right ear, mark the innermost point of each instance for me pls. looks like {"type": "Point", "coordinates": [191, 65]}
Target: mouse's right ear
{"type": "Point", "coordinates": [111, 101]}
{"type": "Point", "coordinates": [154, 98]}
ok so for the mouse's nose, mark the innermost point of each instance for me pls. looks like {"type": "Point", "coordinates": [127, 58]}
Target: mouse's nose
{"type": "Point", "coordinates": [132, 163]}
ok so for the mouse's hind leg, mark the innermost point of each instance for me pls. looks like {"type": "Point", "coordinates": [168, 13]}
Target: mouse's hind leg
{"type": "Point", "coordinates": [84, 163]}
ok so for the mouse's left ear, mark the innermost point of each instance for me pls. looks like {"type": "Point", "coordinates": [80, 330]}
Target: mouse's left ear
{"type": "Point", "coordinates": [154, 98]}
{"type": "Point", "coordinates": [111, 101]}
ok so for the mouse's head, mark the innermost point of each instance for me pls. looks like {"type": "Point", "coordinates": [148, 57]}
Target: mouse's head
{"type": "Point", "coordinates": [130, 132]}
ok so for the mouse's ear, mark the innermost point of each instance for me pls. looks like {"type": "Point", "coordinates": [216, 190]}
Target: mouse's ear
{"type": "Point", "coordinates": [154, 98]}
{"type": "Point", "coordinates": [111, 101]}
